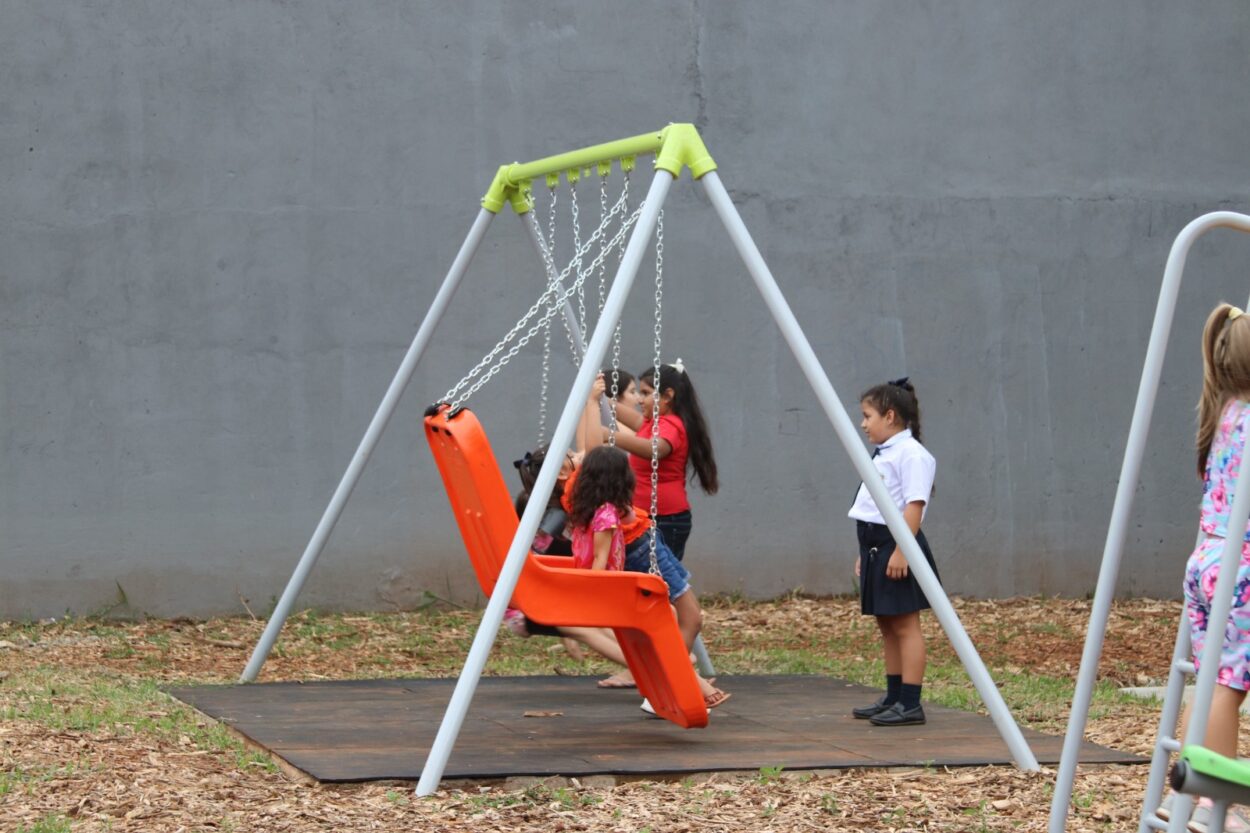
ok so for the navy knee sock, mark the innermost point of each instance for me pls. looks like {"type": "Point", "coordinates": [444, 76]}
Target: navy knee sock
{"type": "Point", "coordinates": [893, 682]}
{"type": "Point", "coordinates": [909, 695]}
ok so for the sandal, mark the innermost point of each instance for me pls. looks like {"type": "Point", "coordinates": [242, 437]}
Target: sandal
{"type": "Point", "coordinates": [621, 679]}
{"type": "Point", "coordinates": [715, 699]}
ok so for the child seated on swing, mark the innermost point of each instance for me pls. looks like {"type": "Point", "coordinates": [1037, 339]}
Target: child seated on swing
{"type": "Point", "coordinates": [596, 486]}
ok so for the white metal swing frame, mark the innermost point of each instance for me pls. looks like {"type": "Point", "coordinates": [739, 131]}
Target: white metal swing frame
{"type": "Point", "coordinates": [1109, 571]}
{"type": "Point", "coordinates": [677, 146]}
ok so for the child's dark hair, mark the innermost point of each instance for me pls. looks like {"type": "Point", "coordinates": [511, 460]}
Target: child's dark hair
{"type": "Point", "coordinates": [527, 469]}
{"type": "Point", "coordinates": [604, 477]}
{"type": "Point", "coordinates": [898, 396]}
{"type": "Point", "coordinates": [686, 405]}
{"type": "Point", "coordinates": [623, 381]}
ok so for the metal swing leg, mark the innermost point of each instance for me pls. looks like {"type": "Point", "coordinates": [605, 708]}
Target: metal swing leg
{"type": "Point", "coordinates": [380, 419]}
{"type": "Point", "coordinates": [488, 628]}
{"type": "Point", "coordinates": [1166, 742]}
{"type": "Point", "coordinates": [828, 397]}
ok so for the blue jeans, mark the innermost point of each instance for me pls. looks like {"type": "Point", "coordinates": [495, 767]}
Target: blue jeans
{"type": "Point", "coordinates": [638, 560]}
{"type": "Point", "coordinates": [676, 529]}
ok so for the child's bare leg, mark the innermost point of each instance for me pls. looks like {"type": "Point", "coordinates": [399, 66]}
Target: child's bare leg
{"type": "Point", "coordinates": [689, 617]}
{"type": "Point", "coordinates": [599, 640]}
{"type": "Point", "coordinates": [910, 640]}
{"type": "Point", "coordinates": [690, 622]}
{"type": "Point", "coordinates": [1222, 723]}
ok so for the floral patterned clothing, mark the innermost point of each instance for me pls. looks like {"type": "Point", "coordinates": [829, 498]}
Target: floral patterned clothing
{"type": "Point", "coordinates": [1202, 571]}
{"type": "Point", "coordinates": [606, 518]}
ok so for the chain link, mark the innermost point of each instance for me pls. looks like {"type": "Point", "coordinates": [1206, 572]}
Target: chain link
{"type": "Point", "coordinates": [616, 333]}
{"type": "Point", "coordinates": [552, 301]}
{"type": "Point", "coordinates": [603, 268]}
{"type": "Point", "coordinates": [655, 407]}
{"type": "Point", "coordinates": [581, 290]}
{"type": "Point", "coordinates": [549, 266]}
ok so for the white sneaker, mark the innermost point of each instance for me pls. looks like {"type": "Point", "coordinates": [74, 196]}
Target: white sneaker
{"type": "Point", "coordinates": [647, 707]}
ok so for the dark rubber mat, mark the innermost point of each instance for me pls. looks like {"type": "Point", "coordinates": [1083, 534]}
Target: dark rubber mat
{"type": "Point", "coordinates": [366, 730]}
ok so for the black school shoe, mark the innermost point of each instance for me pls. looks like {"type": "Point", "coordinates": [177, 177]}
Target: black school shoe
{"type": "Point", "coordinates": [866, 712]}
{"type": "Point", "coordinates": [898, 715]}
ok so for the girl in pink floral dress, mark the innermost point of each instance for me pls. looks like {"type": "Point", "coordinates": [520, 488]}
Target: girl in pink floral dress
{"type": "Point", "coordinates": [602, 510]}
{"type": "Point", "coordinates": [1223, 421]}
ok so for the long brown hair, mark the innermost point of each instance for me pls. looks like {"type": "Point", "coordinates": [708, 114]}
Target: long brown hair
{"type": "Point", "coordinates": [1225, 371]}
{"type": "Point", "coordinates": [604, 477]}
{"type": "Point", "coordinates": [685, 404]}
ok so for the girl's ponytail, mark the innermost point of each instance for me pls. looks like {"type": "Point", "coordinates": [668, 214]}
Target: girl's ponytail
{"type": "Point", "coordinates": [1225, 371]}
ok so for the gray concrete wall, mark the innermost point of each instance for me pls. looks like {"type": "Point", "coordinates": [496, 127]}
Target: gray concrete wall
{"type": "Point", "coordinates": [220, 224]}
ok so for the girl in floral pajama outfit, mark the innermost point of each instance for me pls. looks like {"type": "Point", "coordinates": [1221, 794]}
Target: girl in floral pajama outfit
{"type": "Point", "coordinates": [1223, 420]}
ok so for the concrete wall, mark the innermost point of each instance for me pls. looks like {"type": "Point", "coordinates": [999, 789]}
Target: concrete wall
{"type": "Point", "coordinates": [220, 224]}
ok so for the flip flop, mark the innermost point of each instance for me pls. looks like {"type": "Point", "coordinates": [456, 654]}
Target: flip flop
{"type": "Point", "coordinates": [716, 698]}
{"type": "Point", "coordinates": [617, 681]}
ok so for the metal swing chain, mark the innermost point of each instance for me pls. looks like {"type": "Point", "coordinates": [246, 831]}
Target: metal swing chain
{"type": "Point", "coordinates": [546, 371]}
{"type": "Point", "coordinates": [655, 407]}
{"type": "Point", "coordinates": [581, 291]}
{"type": "Point", "coordinates": [553, 289]}
{"type": "Point", "coordinates": [616, 333]}
{"type": "Point", "coordinates": [458, 395]}
{"type": "Point", "coordinates": [603, 269]}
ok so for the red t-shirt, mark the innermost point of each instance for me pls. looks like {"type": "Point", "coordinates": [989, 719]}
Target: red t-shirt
{"type": "Point", "coordinates": [671, 485]}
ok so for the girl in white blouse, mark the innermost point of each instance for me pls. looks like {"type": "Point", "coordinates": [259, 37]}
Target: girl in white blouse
{"type": "Point", "coordinates": [888, 591]}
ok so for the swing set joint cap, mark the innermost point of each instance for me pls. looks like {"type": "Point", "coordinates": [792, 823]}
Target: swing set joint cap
{"type": "Point", "coordinates": [504, 190]}
{"type": "Point", "coordinates": [684, 148]}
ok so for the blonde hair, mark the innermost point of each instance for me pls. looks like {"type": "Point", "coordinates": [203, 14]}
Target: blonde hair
{"type": "Point", "coordinates": [1225, 371]}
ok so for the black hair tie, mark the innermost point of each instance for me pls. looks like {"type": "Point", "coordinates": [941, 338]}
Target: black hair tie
{"type": "Point", "coordinates": [524, 461]}
{"type": "Point", "coordinates": [902, 383]}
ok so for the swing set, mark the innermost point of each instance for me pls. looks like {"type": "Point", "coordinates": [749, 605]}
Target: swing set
{"type": "Point", "coordinates": [635, 605]}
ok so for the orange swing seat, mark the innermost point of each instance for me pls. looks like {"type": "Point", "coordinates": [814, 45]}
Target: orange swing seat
{"type": "Point", "coordinates": [634, 605]}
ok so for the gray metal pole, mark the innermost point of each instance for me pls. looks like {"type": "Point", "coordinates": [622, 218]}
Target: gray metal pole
{"type": "Point", "coordinates": [1166, 743]}
{"type": "Point", "coordinates": [348, 483]}
{"type": "Point", "coordinates": [842, 424]}
{"type": "Point", "coordinates": [487, 629]}
{"type": "Point", "coordinates": [1129, 473]}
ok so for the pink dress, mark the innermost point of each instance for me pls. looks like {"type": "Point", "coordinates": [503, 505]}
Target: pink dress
{"type": "Point", "coordinates": [606, 518]}
{"type": "Point", "coordinates": [1203, 569]}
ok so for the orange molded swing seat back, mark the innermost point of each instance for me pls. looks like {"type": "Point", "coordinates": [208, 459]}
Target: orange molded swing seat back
{"type": "Point", "coordinates": [634, 605]}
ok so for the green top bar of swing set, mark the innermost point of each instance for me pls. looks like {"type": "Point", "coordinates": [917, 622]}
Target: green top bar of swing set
{"type": "Point", "coordinates": [1215, 765]}
{"type": "Point", "coordinates": [675, 147]}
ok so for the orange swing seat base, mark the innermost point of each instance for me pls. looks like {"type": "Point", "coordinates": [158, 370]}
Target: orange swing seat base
{"type": "Point", "coordinates": [634, 605]}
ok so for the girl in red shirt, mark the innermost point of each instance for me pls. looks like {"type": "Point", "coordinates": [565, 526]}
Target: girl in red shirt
{"type": "Point", "coordinates": [685, 449]}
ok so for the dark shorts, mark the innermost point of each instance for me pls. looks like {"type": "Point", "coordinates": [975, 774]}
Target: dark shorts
{"type": "Point", "coordinates": [880, 595]}
{"type": "Point", "coordinates": [676, 529]}
{"type": "Point", "coordinates": [638, 560]}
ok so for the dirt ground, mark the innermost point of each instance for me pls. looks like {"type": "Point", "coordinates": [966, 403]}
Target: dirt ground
{"type": "Point", "coordinates": [141, 769]}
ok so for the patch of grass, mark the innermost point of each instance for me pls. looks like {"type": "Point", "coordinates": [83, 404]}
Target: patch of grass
{"type": "Point", "coordinates": [769, 774]}
{"type": "Point", "coordinates": [52, 823]}
{"type": "Point", "coordinates": [50, 697]}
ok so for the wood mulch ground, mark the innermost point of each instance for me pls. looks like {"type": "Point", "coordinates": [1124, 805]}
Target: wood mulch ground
{"type": "Point", "coordinates": [69, 763]}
